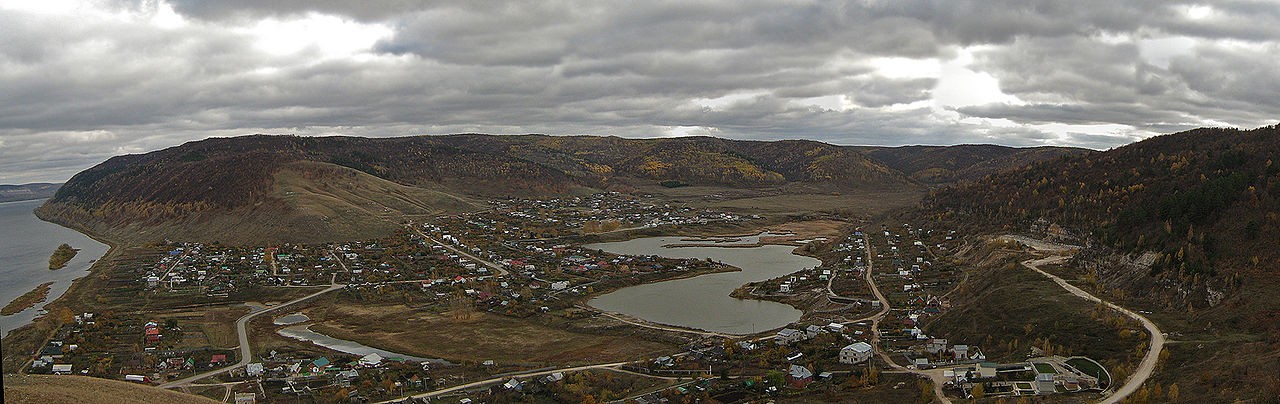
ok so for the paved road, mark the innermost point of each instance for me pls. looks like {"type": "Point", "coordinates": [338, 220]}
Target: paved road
{"type": "Point", "coordinates": [246, 353]}
{"type": "Point", "coordinates": [1148, 364]}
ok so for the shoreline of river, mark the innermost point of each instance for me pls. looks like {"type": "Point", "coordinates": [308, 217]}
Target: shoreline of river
{"type": "Point", "coordinates": [22, 213]}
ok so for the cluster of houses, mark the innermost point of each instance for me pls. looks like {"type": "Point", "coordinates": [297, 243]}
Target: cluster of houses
{"type": "Point", "coordinates": [534, 218]}
{"type": "Point", "coordinates": [531, 385]}
{"type": "Point", "coordinates": [52, 357]}
{"type": "Point", "coordinates": [937, 352]}
{"type": "Point", "coordinates": [1035, 377]}
{"type": "Point", "coordinates": [854, 353]}
{"type": "Point", "coordinates": [49, 359]}
{"type": "Point", "coordinates": [788, 336]}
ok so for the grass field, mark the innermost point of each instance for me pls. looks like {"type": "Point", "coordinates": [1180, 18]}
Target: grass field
{"type": "Point", "coordinates": [893, 388]}
{"type": "Point", "coordinates": [79, 389]}
{"type": "Point", "coordinates": [1090, 368]}
{"type": "Point", "coordinates": [215, 326]}
{"type": "Point", "coordinates": [485, 336]}
{"type": "Point", "coordinates": [1007, 309]}
{"type": "Point", "coordinates": [1044, 368]}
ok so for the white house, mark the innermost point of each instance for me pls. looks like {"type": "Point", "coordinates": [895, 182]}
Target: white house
{"type": "Point", "coordinates": [812, 331]}
{"type": "Point", "coordinates": [254, 369]}
{"type": "Point", "coordinates": [976, 354]}
{"type": "Point", "coordinates": [788, 335]}
{"type": "Point", "coordinates": [857, 352]}
{"type": "Point", "coordinates": [961, 351]}
{"type": "Point", "coordinates": [936, 345]}
{"type": "Point", "coordinates": [512, 384]}
{"type": "Point", "coordinates": [372, 359]}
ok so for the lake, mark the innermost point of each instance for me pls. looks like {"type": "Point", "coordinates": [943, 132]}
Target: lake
{"type": "Point", "coordinates": [703, 302]}
{"type": "Point", "coordinates": [25, 245]}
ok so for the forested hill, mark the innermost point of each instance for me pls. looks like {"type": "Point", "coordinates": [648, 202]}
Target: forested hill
{"type": "Point", "coordinates": [949, 164]}
{"type": "Point", "coordinates": [1203, 198]}
{"type": "Point", "coordinates": [1183, 225]}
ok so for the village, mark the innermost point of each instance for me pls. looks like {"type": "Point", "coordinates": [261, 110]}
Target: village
{"type": "Point", "coordinates": [519, 259]}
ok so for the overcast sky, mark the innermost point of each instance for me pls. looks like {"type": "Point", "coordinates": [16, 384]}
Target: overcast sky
{"type": "Point", "coordinates": [83, 81]}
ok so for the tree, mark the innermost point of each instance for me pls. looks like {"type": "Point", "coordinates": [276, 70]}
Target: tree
{"type": "Point", "coordinates": [926, 390]}
{"type": "Point", "coordinates": [461, 308]}
{"type": "Point", "coordinates": [775, 378]}
{"type": "Point", "coordinates": [64, 315]}
{"type": "Point", "coordinates": [1142, 395]}
{"type": "Point", "coordinates": [1172, 395]}
{"type": "Point", "coordinates": [979, 391]}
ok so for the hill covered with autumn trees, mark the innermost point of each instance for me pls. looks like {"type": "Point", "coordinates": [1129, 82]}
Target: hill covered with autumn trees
{"type": "Point", "coordinates": [1183, 226]}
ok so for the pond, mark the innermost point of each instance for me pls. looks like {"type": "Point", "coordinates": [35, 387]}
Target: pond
{"type": "Point", "coordinates": [703, 302]}
{"type": "Point", "coordinates": [304, 333]}
{"type": "Point", "coordinates": [295, 318]}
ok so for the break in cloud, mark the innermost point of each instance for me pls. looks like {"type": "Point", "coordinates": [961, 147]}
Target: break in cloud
{"type": "Point", "coordinates": [82, 81]}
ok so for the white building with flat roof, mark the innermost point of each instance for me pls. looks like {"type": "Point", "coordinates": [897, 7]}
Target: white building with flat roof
{"type": "Point", "coordinates": [857, 352]}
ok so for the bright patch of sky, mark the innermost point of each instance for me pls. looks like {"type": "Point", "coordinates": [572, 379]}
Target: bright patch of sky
{"type": "Point", "coordinates": [728, 100]}
{"type": "Point", "coordinates": [960, 86]}
{"type": "Point", "coordinates": [1159, 52]}
{"type": "Point", "coordinates": [330, 36]}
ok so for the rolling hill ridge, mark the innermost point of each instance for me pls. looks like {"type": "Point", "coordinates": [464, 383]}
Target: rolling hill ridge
{"type": "Point", "coordinates": [264, 188]}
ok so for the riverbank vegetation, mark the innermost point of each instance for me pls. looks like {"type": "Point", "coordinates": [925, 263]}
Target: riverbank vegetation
{"type": "Point", "coordinates": [61, 255]}
{"type": "Point", "coordinates": [28, 299]}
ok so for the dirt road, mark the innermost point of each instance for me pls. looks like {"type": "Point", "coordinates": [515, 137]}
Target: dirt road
{"type": "Point", "coordinates": [1148, 364]}
{"type": "Point", "coordinates": [934, 376]}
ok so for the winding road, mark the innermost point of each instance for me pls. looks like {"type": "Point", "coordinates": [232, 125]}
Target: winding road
{"type": "Point", "coordinates": [1148, 364]}
{"type": "Point", "coordinates": [246, 353]}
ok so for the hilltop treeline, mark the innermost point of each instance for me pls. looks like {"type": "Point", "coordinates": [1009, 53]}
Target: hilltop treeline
{"type": "Point", "coordinates": [1202, 198]}
{"type": "Point", "coordinates": [1183, 224]}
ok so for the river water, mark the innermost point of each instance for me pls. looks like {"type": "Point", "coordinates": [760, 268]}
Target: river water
{"type": "Point", "coordinates": [703, 302]}
{"type": "Point", "coordinates": [25, 245]}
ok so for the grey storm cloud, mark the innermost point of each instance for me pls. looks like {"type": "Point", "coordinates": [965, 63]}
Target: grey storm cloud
{"type": "Point", "coordinates": [107, 77]}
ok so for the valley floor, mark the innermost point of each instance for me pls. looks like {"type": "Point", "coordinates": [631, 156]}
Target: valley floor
{"type": "Point", "coordinates": [498, 296]}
